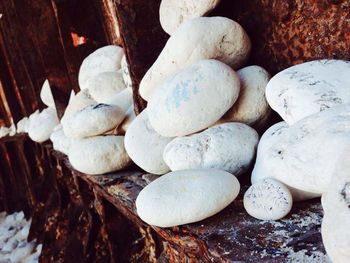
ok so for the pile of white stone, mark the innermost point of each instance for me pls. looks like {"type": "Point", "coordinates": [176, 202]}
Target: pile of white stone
{"type": "Point", "coordinates": [14, 247]}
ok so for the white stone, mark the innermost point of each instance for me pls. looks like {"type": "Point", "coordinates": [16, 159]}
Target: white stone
{"type": "Point", "coordinates": [105, 59]}
{"type": "Point", "coordinates": [123, 99]}
{"type": "Point", "coordinates": [60, 141]}
{"type": "Point", "coordinates": [41, 125]}
{"type": "Point", "coordinates": [197, 39]}
{"type": "Point", "coordinates": [308, 88]}
{"type": "Point", "coordinates": [304, 155]}
{"type": "Point", "coordinates": [99, 155]}
{"type": "Point", "coordinates": [336, 204]}
{"type": "Point", "coordinates": [4, 131]}
{"type": "Point", "coordinates": [229, 146]}
{"type": "Point", "coordinates": [23, 125]}
{"type": "Point", "coordinates": [145, 146]}
{"type": "Point", "coordinates": [12, 129]}
{"type": "Point", "coordinates": [105, 85]}
{"type": "Point", "coordinates": [76, 103]}
{"type": "Point", "coordinates": [125, 72]}
{"type": "Point", "coordinates": [268, 200]}
{"type": "Point", "coordinates": [172, 13]}
{"type": "Point", "coordinates": [193, 99]}
{"type": "Point", "coordinates": [184, 197]}
{"type": "Point", "coordinates": [46, 95]}
{"type": "Point", "coordinates": [251, 107]}
{"type": "Point", "coordinates": [129, 118]}
{"type": "Point", "coordinates": [93, 120]}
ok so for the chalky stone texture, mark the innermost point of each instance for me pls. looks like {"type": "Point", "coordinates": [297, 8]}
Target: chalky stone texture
{"type": "Point", "coordinates": [304, 156]}
{"type": "Point", "coordinates": [230, 147]}
{"type": "Point", "coordinates": [193, 99]}
{"type": "Point", "coordinates": [173, 13]}
{"type": "Point", "coordinates": [93, 120]}
{"type": "Point", "coordinates": [268, 200]}
{"type": "Point", "coordinates": [145, 146]}
{"type": "Point", "coordinates": [186, 196]}
{"type": "Point", "coordinates": [99, 155]}
{"type": "Point", "coordinates": [197, 39]}
{"type": "Point", "coordinates": [308, 88]}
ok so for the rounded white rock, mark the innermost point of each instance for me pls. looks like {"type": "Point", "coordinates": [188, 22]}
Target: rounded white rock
{"type": "Point", "coordinates": [197, 39]}
{"type": "Point", "coordinates": [308, 88]}
{"type": "Point", "coordinates": [104, 59]}
{"type": "Point", "coordinates": [193, 99]}
{"type": "Point", "coordinates": [268, 200]}
{"type": "Point", "coordinates": [184, 197]}
{"type": "Point", "coordinates": [229, 146]}
{"type": "Point", "coordinates": [304, 155]}
{"type": "Point", "coordinates": [172, 13]}
{"type": "Point", "coordinates": [46, 95]}
{"type": "Point", "coordinates": [99, 155]}
{"type": "Point", "coordinates": [41, 124]}
{"type": "Point", "coordinates": [23, 125]}
{"type": "Point", "coordinates": [105, 85]}
{"type": "Point", "coordinates": [93, 120]}
{"type": "Point", "coordinates": [251, 106]}
{"type": "Point", "coordinates": [60, 141]}
{"type": "Point", "coordinates": [145, 146]}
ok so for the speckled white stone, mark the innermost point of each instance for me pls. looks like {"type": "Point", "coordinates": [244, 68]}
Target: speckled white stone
{"type": "Point", "coordinates": [197, 39]}
{"type": "Point", "coordinates": [229, 146]}
{"type": "Point", "coordinates": [268, 200]}
{"type": "Point", "coordinates": [193, 99]}
{"type": "Point", "coordinates": [105, 59]}
{"type": "Point", "coordinates": [42, 124]}
{"type": "Point", "coordinates": [304, 155]}
{"type": "Point", "coordinates": [336, 204]}
{"type": "Point", "coordinates": [308, 88]}
{"type": "Point", "coordinates": [60, 141]}
{"type": "Point", "coordinates": [184, 197]}
{"type": "Point", "coordinates": [105, 85]}
{"type": "Point", "coordinates": [93, 120]}
{"type": "Point", "coordinates": [46, 95]}
{"type": "Point", "coordinates": [172, 13]}
{"type": "Point", "coordinates": [251, 106]}
{"type": "Point", "coordinates": [99, 155]}
{"type": "Point", "coordinates": [145, 146]}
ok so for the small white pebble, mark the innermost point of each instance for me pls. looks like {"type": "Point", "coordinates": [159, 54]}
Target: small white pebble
{"type": "Point", "coordinates": [268, 200]}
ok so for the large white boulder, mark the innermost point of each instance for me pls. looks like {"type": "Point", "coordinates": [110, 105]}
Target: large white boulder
{"type": "Point", "coordinates": [99, 155]}
{"type": "Point", "coordinates": [184, 197]}
{"type": "Point", "coordinates": [304, 155]}
{"type": "Point", "coordinates": [308, 88]}
{"type": "Point", "coordinates": [229, 146]}
{"type": "Point", "coordinates": [104, 59]}
{"type": "Point", "coordinates": [145, 146]}
{"type": "Point", "coordinates": [336, 204]}
{"type": "Point", "coordinates": [105, 85]}
{"type": "Point", "coordinates": [93, 120]}
{"type": "Point", "coordinates": [41, 124]}
{"type": "Point", "coordinates": [193, 99]}
{"type": "Point", "coordinates": [251, 106]}
{"type": "Point", "coordinates": [172, 13]}
{"type": "Point", "coordinates": [197, 39]}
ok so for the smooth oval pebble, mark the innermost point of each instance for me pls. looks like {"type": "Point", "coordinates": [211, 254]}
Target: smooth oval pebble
{"type": "Point", "coordinates": [268, 200]}
{"type": "Point", "coordinates": [184, 197]}
{"type": "Point", "coordinates": [99, 155]}
{"type": "Point", "coordinates": [304, 155]}
{"type": "Point", "coordinates": [197, 39]}
{"type": "Point", "coordinates": [145, 146]}
{"type": "Point", "coordinates": [172, 13]}
{"type": "Point", "coordinates": [93, 120]}
{"type": "Point", "coordinates": [193, 99]}
{"type": "Point", "coordinates": [308, 88]}
{"type": "Point", "coordinates": [251, 106]}
{"type": "Point", "coordinates": [230, 147]}
{"type": "Point", "coordinates": [105, 85]}
{"type": "Point", "coordinates": [104, 59]}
